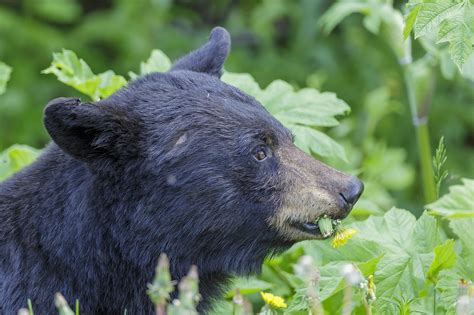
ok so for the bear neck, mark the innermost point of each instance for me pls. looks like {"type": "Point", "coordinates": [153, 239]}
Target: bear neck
{"type": "Point", "coordinates": [78, 214]}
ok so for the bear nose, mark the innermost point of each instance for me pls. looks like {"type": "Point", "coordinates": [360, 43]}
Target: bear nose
{"type": "Point", "coordinates": [352, 193]}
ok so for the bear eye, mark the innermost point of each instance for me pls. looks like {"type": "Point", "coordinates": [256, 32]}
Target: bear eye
{"type": "Point", "coordinates": [260, 155]}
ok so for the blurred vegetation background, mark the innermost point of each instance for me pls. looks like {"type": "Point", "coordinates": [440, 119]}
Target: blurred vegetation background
{"type": "Point", "coordinates": [272, 39]}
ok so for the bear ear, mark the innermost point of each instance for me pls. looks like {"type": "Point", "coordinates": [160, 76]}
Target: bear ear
{"type": "Point", "coordinates": [89, 131]}
{"type": "Point", "coordinates": [209, 58]}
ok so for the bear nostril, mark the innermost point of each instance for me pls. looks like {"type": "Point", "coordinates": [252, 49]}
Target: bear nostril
{"type": "Point", "coordinates": [352, 192]}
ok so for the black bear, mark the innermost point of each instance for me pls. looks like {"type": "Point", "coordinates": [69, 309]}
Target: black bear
{"type": "Point", "coordinates": [175, 162]}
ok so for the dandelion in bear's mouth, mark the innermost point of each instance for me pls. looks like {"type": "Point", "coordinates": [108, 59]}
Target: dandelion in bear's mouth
{"type": "Point", "coordinates": [342, 236]}
{"type": "Point", "coordinates": [273, 300]}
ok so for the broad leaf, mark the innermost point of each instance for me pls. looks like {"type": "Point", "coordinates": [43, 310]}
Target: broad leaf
{"type": "Point", "coordinates": [408, 246]}
{"type": "Point", "coordinates": [449, 282]}
{"type": "Point", "coordinates": [75, 72]}
{"type": "Point", "coordinates": [432, 13]}
{"type": "Point", "coordinates": [15, 158]}
{"type": "Point", "coordinates": [157, 62]}
{"type": "Point", "coordinates": [5, 72]}
{"type": "Point", "coordinates": [445, 258]}
{"type": "Point", "coordinates": [463, 229]}
{"type": "Point", "coordinates": [300, 111]}
{"type": "Point", "coordinates": [458, 203]}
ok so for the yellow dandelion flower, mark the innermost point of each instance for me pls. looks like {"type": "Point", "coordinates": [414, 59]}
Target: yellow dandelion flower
{"type": "Point", "coordinates": [342, 236]}
{"type": "Point", "coordinates": [273, 300]}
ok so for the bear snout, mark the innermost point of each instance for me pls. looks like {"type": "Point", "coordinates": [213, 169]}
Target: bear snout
{"type": "Point", "coordinates": [312, 190]}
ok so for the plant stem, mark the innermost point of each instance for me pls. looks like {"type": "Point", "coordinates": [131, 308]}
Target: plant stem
{"type": "Point", "coordinates": [368, 308]}
{"type": "Point", "coordinates": [347, 300]}
{"type": "Point", "coordinates": [420, 122]}
{"type": "Point", "coordinates": [429, 187]}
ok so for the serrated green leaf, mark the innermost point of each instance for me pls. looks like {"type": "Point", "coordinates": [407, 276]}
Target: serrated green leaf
{"type": "Point", "coordinates": [5, 72]}
{"type": "Point", "coordinates": [458, 203]}
{"type": "Point", "coordinates": [449, 282]}
{"type": "Point", "coordinates": [432, 13]}
{"type": "Point", "coordinates": [299, 111]}
{"type": "Point", "coordinates": [460, 46]}
{"type": "Point", "coordinates": [445, 258]}
{"type": "Point", "coordinates": [243, 81]}
{"type": "Point", "coordinates": [408, 245]}
{"type": "Point", "coordinates": [158, 62]}
{"type": "Point", "coordinates": [75, 72]}
{"type": "Point", "coordinates": [15, 158]}
{"type": "Point", "coordinates": [463, 229]}
{"type": "Point", "coordinates": [314, 141]}
{"type": "Point", "coordinates": [357, 250]}
{"type": "Point", "coordinates": [277, 96]}
{"type": "Point", "coordinates": [393, 239]}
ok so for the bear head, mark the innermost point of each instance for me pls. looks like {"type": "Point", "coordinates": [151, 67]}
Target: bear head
{"type": "Point", "coordinates": [186, 164]}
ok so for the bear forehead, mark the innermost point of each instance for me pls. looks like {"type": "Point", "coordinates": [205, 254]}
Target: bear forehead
{"type": "Point", "coordinates": [188, 94]}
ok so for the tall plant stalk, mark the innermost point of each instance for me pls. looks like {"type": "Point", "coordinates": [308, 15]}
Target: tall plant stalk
{"type": "Point", "coordinates": [420, 123]}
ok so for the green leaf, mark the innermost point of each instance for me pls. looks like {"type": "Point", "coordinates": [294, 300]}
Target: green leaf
{"type": "Point", "coordinates": [248, 285]}
{"type": "Point", "coordinates": [75, 72]}
{"type": "Point", "coordinates": [408, 246]}
{"type": "Point", "coordinates": [445, 258]}
{"type": "Point", "coordinates": [339, 11]}
{"type": "Point", "coordinates": [5, 72]}
{"type": "Point", "coordinates": [356, 250]}
{"type": "Point", "coordinates": [432, 13]}
{"type": "Point", "coordinates": [410, 20]}
{"type": "Point", "coordinates": [158, 62]}
{"type": "Point", "coordinates": [449, 282]}
{"type": "Point", "coordinates": [15, 158]}
{"type": "Point", "coordinates": [311, 140]}
{"type": "Point", "coordinates": [458, 203]}
{"type": "Point", "coordinates": [243, 81]}
{"type": "Point", "coordinates": [463, 229]}
{"type": "Point", "coordinates": [300, 111]}
{"type": "Point", "coordinates": [393, 239]}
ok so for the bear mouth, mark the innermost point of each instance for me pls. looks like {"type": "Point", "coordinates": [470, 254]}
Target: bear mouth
{"type": "Point", "coordinates": [308, 227]}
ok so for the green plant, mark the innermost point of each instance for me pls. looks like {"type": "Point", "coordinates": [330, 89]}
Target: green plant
{"type": "Point", "coordinates": [452, 18]}
{"type": "Point", "coordinates": [395, 263]}
{"type": "Point", "coordinates": [15, 158]}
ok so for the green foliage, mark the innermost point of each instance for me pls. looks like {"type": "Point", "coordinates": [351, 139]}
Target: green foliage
{"type": "Point", "coordinates": [416, 268]}
{"type": "Point", "coordinates": [409, 259]}
{"type": "Point", "coordinates": [75, 72]}
{"type": "Point", "coordinates": [301, 111]}
{"type": "Point", "coordinates": [458, 203]}
{"type": "Point", "coordinates": [15, 158]}
{"type": "Point", "coordinates": [5, 72]}
{"type": "Point", "coordinates": [158, 62]}
{"type": "Point", "coordinates": [159, 291]}
{"type": "Point", "coordinates": [451, 20]}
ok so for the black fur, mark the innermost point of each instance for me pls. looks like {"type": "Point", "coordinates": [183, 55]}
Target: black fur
{"type": "Point", "coordinates": [165, 164]}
